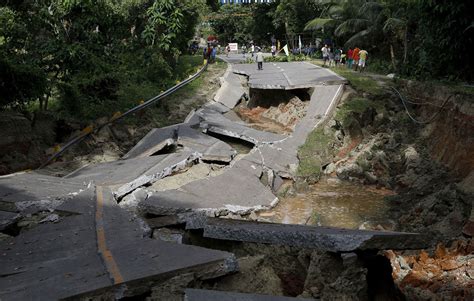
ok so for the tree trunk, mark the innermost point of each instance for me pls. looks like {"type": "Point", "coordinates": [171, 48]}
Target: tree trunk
{"type": "Point", "coordinates": [392, 56]}
{"type": "Point", "coordinates": [46, 100]}
{"type": "Point", "coordinates": [288, 39]}
{"type": "Point", "coordinates": [405, 47]}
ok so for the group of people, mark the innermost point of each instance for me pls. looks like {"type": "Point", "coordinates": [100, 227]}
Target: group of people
{"type": "Point", "coordinates": [209, 53]}
{"type": "Point", "coordinates": [354, 58]}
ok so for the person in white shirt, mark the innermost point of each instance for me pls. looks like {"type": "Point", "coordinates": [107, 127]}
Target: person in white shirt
{"type": "Point", "coordinates": [259, 59]}
{"type": "Point", "coordinates": [325, 51]}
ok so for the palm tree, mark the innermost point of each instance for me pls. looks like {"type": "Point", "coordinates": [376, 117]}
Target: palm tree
{"type": "Point", "coordinates": [373, 19]}
{"type": "Point", "coordinates": [331, 14]}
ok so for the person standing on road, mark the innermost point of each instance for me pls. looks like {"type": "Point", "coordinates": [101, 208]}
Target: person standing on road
{"type": "Point", "coordinates": [259, 59]}
{"type": "Point", "coordinates": [213, 54]}
{"type": "Point", "coordinates": [252, 49]}
{"type": "Point", "coordinates": [227, 50]}
{"type": "Point", "coordinates": [355, 58]}
{"type": "Point", "coordinates": [331, 57]}
{"type": "Point", "coordinates": [325, 52]}
{"type": "Point", "coordinates": [273, 50]}
{"type": "Point", "coordinates": [349, 58]}
{"type": "Point", "coordinates": [337, 56]}
{"type": "Point", "coordinates": [362, 59]}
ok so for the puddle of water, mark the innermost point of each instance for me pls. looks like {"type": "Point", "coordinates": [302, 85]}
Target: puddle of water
{"type": "Point", "coordinates": [342, 204]}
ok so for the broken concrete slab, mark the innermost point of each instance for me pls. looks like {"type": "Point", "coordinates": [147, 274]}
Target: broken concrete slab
{"type": "Point", "coordinates": [323, 101]}
{"type": "Point", "coordinates": [210, 148]}
{"type": "Point", "coordinates": [192, 119]}
{"type": "Point", "coordinates": [274, 157]}
{"type": "Point", "coordinates": [209, 295]}
{"type": "Point", "coordinates": [155, 141]}
{"type": "Point", "coordinates": [282, 156]}
{"type": "Point", "coordinates": [216, 123]}
{"type": "Point", "coordinates": [35, 192]}
{"type": "Point", "coordinates": [216, 106]}
{"type": "Point", "coordinates": [237, 190]}
{"type": "Point", "coordinates": [231, 91]}
{"type": "Point", "coordinates": [128, 175]}
{"type": "Point", "coordinates": [193, 173]}
{"type": "Point", "coordinates": [293, 75]}
{"type": "Point", "coordinates": [34, 262]}
{"type": "Point", "coordinates": [93, 252]}
{"type": "Point", "coordinates": [7, 219]}
{"type": "Point", "coordinates": [312, 237]}
{"type": "Point", "coordinates": [163, 221]}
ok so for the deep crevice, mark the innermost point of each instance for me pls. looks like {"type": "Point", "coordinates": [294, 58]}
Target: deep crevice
{"type": "Point", "coordinates": [379, 278]}
{"type": "Point", "coordinates": [168, 149]}
{"type": "Point", "coordinates": [240, 145]}
{"type": "Point", "coordinates": [267, 98]}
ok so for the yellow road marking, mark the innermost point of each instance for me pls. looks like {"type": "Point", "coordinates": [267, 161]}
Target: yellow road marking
{"type": "Point", "coordinates": [107, 256]}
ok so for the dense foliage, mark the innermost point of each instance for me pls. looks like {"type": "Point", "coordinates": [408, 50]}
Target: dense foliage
{"type": "Point", "coordinates": [422, 39]}
{"type": "Point", "coordinates": [88, 57]}
{"type": "Point", "coordinates": [426, 38]}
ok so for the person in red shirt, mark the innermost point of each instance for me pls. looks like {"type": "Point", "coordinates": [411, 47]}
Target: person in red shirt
{"type": "Point", "coordinates": [349, 58]}
{"type": "Point", "coordinates": [355, 57]}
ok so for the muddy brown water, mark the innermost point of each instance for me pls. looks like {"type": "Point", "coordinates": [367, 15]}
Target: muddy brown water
{"type": "Point", "coordinates": [334, 204]}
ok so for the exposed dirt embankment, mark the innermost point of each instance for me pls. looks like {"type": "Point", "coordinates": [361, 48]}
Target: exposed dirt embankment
{"type": "Point", "coordinates": [450, 137]}
{"type": "Point", "coordinates": [429, 166]}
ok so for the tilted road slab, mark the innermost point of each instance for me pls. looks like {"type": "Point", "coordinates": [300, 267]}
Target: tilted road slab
{"type": "Point", "coordinates": [237, 190]}
{"type": "Point", "coordinates": [94, 251]}
{"type": "Point", "coordinates": [231, 91]}
{"type": "Point", "coordinates": [210, 148]}
{"type": "Point", "coordinates": [209, 295]}
{"type": "Point", "coordinates": [7, 219]}
{"type": "Point", "coordinates": [184, 135]}
{"type": "Point", "coordinates": [312, 237]}
{"type": "Point", "coordinates": [32, 191]}
{"type": "Point", "coordinates": [215, 122]}
{"type": "Point", "coordinates": [53, 261]}
{"type": "Point", "coordinates": [128, 175]}
{"type": "Point", "coordinates": [282, 156]}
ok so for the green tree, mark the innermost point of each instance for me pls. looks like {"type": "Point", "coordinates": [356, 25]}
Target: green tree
{"type": "Point", "coordinates": [233, 23]}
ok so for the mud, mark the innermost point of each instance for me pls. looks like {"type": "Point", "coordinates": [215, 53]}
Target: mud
{"type": "Point", "coordinates": [334, 203]}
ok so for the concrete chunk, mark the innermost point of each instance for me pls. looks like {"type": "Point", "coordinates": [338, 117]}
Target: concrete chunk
{"type": "Point", "coordinates": [32, 191]}
{"type": "Point", "coordinates": [128, 175]}
{"type": "Point", "coordinates": [215, 122]}
{"type": "Point", "coordinates": [209, 147]}
{"type": "Point", "coordinates": [95, 251]}
{"type": "Point", "coordinates": [7, 219]}
{"type": "Point", "coordinates": [238, 190]}
{"type": "Point", "coordinates": [312, 237]}
{"type": "Point", "coordinates": [231, 91]}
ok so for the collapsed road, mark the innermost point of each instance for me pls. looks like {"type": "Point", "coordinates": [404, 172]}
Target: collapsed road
{"type": "Point", "coordinates": [92, 238]}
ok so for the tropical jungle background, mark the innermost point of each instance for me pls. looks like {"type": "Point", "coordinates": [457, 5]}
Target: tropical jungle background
{"type": "Point", "coordinates": [83, 59]}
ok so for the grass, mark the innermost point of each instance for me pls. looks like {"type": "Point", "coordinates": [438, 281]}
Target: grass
{"type": "Point", "coordinates": [361, 82]}
{"type": "Point", "coordinates": [314, 219]}
{"type": "Point", "coordinates": [159, 114]}
{"type": "Point", "coordinates": [314, 153]}
{"type": "Point", "coordinates": [356, 105]}
{"type": "Point", "coordinates": [318, 148]}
